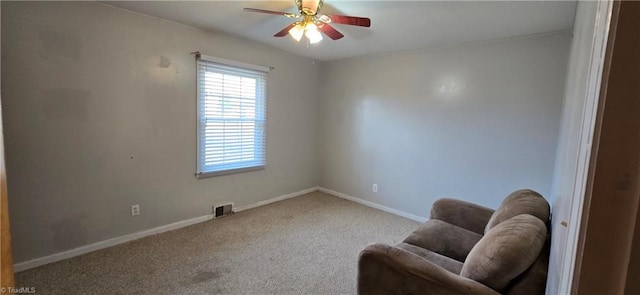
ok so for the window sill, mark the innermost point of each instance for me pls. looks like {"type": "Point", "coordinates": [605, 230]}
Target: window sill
{"type": "Point", "coordinates": [200, 175]}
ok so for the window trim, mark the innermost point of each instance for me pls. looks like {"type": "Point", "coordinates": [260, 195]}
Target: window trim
{"type": "Point", "coordinates": [200, 175]}
{"type": "Point", "coordinates": [233, 63]}
{"type": "Point", "coordinates": [226, 62]}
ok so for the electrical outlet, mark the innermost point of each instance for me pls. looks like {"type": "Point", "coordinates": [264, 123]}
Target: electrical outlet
{"type": "Point", "coordinates": [375, 188]}
{"type": "Point", "coordinates": [135, 210]}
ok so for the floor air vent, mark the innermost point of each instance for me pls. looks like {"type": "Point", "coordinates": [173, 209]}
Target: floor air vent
{"type": "Point", "coordinates": [223, 210]}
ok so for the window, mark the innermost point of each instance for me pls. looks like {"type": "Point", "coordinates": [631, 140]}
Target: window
{"type": "Point", "coordinates": [231, 116]}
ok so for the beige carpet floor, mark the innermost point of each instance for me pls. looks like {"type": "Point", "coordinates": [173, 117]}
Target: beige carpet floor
{"type": "Point", "coordinates": [304, 245]}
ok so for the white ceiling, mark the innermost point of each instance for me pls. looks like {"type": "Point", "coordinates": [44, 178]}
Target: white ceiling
{"type": "Point", "coordinates": [395, 25]}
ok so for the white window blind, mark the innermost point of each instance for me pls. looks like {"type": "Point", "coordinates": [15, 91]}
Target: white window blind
{"type": "Point", "coordinates": [231, 117]}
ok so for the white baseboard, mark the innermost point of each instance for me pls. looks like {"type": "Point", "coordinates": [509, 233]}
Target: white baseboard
{"type": "Point", "coordinates": [21, 266]}
{"type": "Point", "coordinates": [107, 243]}
{"type": "Point", "coordinates": [374, 205]}
{"type": "Point", "coordinates": [276, 199]}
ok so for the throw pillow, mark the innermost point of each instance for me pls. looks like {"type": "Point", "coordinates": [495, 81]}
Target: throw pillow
{"type": "Point", "coordinates": [505, 251]}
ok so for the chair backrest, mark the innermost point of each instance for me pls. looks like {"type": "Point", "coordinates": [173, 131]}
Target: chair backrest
{"type": "Point", "coordinates": [524, 201]}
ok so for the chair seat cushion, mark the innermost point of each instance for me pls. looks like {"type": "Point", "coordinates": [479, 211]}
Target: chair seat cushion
{"type": "Point", "coordinates": [444, 238]}
{"type": "Point", "coordinates": [506, 251]}
{"type": "Point", "coordinates": [445, 262]}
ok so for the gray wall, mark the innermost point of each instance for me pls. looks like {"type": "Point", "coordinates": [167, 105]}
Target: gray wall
{"type": "Point", "coordinates": [93, 124]}
{"type": "Point", "coordinates": [473, 122]}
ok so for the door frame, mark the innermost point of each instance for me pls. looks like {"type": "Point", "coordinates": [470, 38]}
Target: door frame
{"type": "Point", "coordinates": [581, 193]}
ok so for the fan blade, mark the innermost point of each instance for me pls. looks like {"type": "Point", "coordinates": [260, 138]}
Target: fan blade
{"type": "Point", "coordinates": [285, 31]}
{"type": "Point", "coordinates": [271, 12]}
{"type": "Point", "coordinates": [330, 31]}
{"type": "Point", "coordinates": [351, 20]}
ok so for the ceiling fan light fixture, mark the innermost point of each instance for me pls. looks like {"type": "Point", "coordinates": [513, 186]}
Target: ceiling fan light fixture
{"type": "Point", "coordinates": [311, 23]}
{"type": "Point", "coordinates": [312, 33]}
{"type": "Point", "coordinates": [297, 31]}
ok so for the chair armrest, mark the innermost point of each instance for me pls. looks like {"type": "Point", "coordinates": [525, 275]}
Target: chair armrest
{"type": "Point", "coordinates": [463, 214]}
{"type": "Point", "coordinates": [383, 269]}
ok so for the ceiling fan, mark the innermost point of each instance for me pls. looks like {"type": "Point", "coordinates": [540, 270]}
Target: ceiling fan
{"type": "Point", "coordinates": [312, 23]}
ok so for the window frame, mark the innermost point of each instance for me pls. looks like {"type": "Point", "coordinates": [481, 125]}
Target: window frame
{"type": "Point", "coordinates": [201, 171]}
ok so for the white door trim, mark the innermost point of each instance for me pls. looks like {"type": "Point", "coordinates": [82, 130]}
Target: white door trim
{"type": "Point", "coordinates": [600, 38]}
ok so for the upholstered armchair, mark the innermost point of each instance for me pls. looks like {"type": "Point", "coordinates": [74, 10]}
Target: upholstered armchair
{"type": "Point", "coordinates": [465, 249]}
